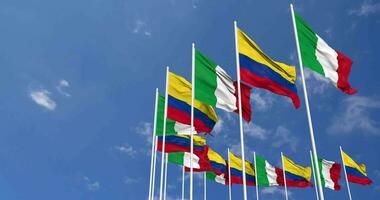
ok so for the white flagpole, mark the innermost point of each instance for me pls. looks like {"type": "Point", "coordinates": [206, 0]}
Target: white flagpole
{"type": "Point", "coordinates": [154, 167]}
{"type": "Point", "coordinates": [153, 146]}
{"type": "Point", "coordinates": [229, 175]}
{"type": "Point", "coordinates": [283, 171]}
{"type": "Point", "coordinates": [313, 145]}
{"type": "Point", "coordinates": [192, 118]}
{"type": "Point", "coordinates": [345, 173]}
{"type": "Point", "coordinates": [257, 183]}
{"type": "Point", "coordinates": [164, 133]}
{"type": "Point", "coordinates": [183, 183]}
{"type": "Point", "coordinates": [315, 180]}
{"type": "Point", "coordinates": [240, 111]}
{"type": "Point", "coordinates": [204, 186]}
{"type": "Point", "coordinates": [166, 174]}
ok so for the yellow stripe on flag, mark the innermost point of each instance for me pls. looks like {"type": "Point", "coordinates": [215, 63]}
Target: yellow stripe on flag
{"type": "Point", "coordinates": [198, 140]}
{"type": "Point", "coordinates": [349, 162]}
{"type": "Point", "coordinates": [293, 168]}
{"type": "Point", "coordinates": [213, 156]}
{"type": "Point", "coordinates": [180, 88]}
{"type": "Point", "coordinates": [250, 49]}
{"type": "Point", "coordinates": [236, 163]}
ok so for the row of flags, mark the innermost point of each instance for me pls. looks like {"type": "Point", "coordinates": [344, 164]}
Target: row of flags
{"type": "Point", "coordinates": [259, 172]}
{"type": "Point", "coordinates": [187, 109]}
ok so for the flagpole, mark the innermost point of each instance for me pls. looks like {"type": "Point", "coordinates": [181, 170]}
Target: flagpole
{"type": "Point", "coordinates": [315, 180]}
{"type": "Point", "coordinates": [192, 118]}
{"type": "Point", "coordinates": [166, 174]}
{"type": "Point", "coordinates": [183, 183]}
{"type": "Point", "coordinates": [164, 132]}
{"type": "Point", "coordinates": [257, 183]}
{"type": "Point", "coordinates": [240, 112]}
{"type": "Point", "coordinates": [313, 145]}
{"type": "Point", "coordinates": [204, 186]}
{"type": "Point", "coordinates": [229, 176]}
{"type": "Point", "coordinates": [153, 146]}
{"type": "Point", "coordinates": [283, 171]}
{"type": "Point", "coordinates": [345, 173]}
{"type": "Point", "coordinates": [154, 167]}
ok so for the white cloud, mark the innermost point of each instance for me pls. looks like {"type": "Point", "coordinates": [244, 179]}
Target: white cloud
{"type": "Point", "coordinates": [282, 137]}
{"type": "Point", "coordinates": [274, 190]}
{"type": "Point", "coordinates": [218, 126]}
{"type": "Point", "coordinates": [365, 9]}
{"type": "Point", "coordinates": [255, 131]}
{"type": "Point", "coordinates": [126, 149]}
{"type": "Point", "coordinates": [262, 100]}
{"type": "Point", "coordinates": [356, 115]}
{"type": "Point", "coordinates": [316, 83]}
{"type": "Point", "coordinates": [130, 180]}
{"type": "Point", "coordinates": [141, 27]}
{"type": "Point", "coordinates": [41, 97]}
{"type": "Point", "coordinates": [91, 185]}
{"type": "Point", "coordinates": [146, 130]}
{"type": "Point", "coordinates": [60, 87]}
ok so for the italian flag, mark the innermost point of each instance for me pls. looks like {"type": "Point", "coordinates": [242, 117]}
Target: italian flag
{"type": "Point", "coordinates": [330, 174]}
{"type": "Point", "coordinates": [213, 86]}
{"type": "Point", "coordinates": [172, 127]}
{"type": "Point", "coordinates": [217, 178]}
{"type": "Point", "coordinates": [318, 56]}
{"type": "Point", "coordinates": [183, 159]}
{"type": "Point", "coordinates": [267, 175]}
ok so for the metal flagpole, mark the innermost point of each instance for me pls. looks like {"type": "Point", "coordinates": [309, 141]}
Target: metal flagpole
{"type": "Point", "coordinates": [166, 174]}
{"type": "Point", "coordinates": [192, 118]}
{"type": "Point", "coordinates": [153, 145]}
{"type": "Point", "coordinates": [257, 183]}
{"type": "Point", "coordinates": [240, 111]}
{"type": "Point", "coordinates": [229, 175]}
{"type": "Point", "coordinates": [183, 183]}
{"type": "Point", "coordinates": [314, 148]}
{"type": "Point", "coordinates": [164, 133]}
{"type": "Point", "coordinates": [204, 186]}
{"type": "Point", "coordinates": [345, 173]}
{"type": "Point", "coordinates": [154, 167]}
{"type": "Point", "coordinates": [283, 171]}
{"type": "Point", "coordinates": [314, 169]}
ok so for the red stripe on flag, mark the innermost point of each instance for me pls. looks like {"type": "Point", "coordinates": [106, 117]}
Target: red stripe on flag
{"type": "Point", "coordinates": [245, 102]}
{"type": "Point", "coordinates": [335, 176]}
{"type": "Point", "coordinates": [344, 68]}
{"type": "Point", "coordinates": [359, 180]}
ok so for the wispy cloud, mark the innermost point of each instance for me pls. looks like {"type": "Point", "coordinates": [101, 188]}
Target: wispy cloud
{"type": "Point", "coordinates": [145, 129]}
{"type": "Point", "coordinates": [61, 86]}
{"type": "Point", "coordinates": [316, 83]}
{"type": "Point", "coordinates": [126, 149]}
{"type": "Point", "coordinates": [255, 131]}
{"type": "Point", "coordinates": [140, 27]}
{"type": "Point", "coordinates": [366, 8]}
{"type": "Point", "coordinates": [356, 115]}
{"type": "Point", "coordinates": [130, 180]}
{"type": "Point", "coordinates": [283, 136]}
{"type": "Point", "coordinates": [42, 98]}
{"type": "Point", "coordinates": [218, 126]}
{"type": "Point", "coordinates": [275, 190]}
{"type": "Point", "coordinates": [91, 185]}
{"type": "Point", "coordinates": [262, 100]}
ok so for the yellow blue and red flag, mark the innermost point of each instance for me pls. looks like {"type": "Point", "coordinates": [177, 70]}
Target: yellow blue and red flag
{"type": "Point", "coordinates": [259, 70]}
{"type": "Point", "coordinates": [356, 173]}
{"type": "Point", "coordinates": [236, 169]}
{"type": "Point", "coordinates": [180, 143]}
{"type": "Point", "coordinates": [296, 175]}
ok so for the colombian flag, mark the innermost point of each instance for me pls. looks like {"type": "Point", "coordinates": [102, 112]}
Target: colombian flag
{"type": "Point", "coordinates": [236, 168]}
{"type": "Point", "coordinates": [296, 175]}
{"type": "Point", "coordinates": [356, 173]}
{"type": "Point", "coordinates": [180, 143]}
{"type": "Point", "coordinates": [259, 70]}
{"type": "Point", "coordinates": [179, 106]}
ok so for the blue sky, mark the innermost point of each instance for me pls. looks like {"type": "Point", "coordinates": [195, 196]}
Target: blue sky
{"type": "Point", "coordinates": [78, 78]}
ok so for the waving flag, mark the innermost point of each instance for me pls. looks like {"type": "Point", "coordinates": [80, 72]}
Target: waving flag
{"type": "Point", "coordinates": [356, 173]}
{"type": "Point", "coordinates": [259, 70]}
{"type": "Point", "coordinates": [215, 87]}
{"type": "Point", "coordinates": [330, 173]}
{"type": "Point", "coordinates": [172, 127]}
{"type": "Point", "coordinates": [179, 106]}
{"type": "Point", "coordinates": [200, 160]}
{"type": "Point", "coordinates": [236, 168]}
{"type": "Point", "coordinates": [318, 56]}
{"type": "Point", "coordinates": [217, 178]}
{"type": "Point", "coordinates": [180, 143]}
{"type": "Point", "coordinates": [267, 175]}
{"type": "Point", "coordinates": [296, 175]}
{"type": "Point", "coordinates": [217, 162]}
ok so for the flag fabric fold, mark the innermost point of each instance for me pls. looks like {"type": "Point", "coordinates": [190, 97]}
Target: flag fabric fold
{"type": "Point", "coordinates": [236, 171]}
{"type": "Point", "coordinates": [296, 175]}
{"type": "Point", "coordinates": [330, 174]}
{"type": "Point", "coordinates": [259, 70]}
{"type": "Point", "coordinates": [266, 173]}
{"type": "Point", "coordinates": [180, 143]}
{"type": "Point", "coordinates": [200, 161]}
{"type": "Point", "coordinates": [318, 56]}
{"type": "Point", "coordinates": [356, 173]}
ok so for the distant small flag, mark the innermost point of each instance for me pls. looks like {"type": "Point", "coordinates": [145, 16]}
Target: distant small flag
{"type": "Point", "coordinates": [330, 172]}
{"type": "Point", "coordinates": [296, 175]}
{"type": "Point", "coordinates": [267, 175]}
{"type": "Point", "coordinates": [236, 169]}
{"type": "Point", "coordinates": [318, 56]}
{"type": "Point", "coordinates": [179, 106]}
{"type": "Point", "coordinates": [200, 161]}
{"type": "Point", "coordinates": [180, 143]}
{"type": "Point", "coordinates": [217, 178]}
{"type": "Point", "coordinates": [259, 70]}
{"type": "Point", "coordinates": [218, 165]}
{"type": "Point", "coordinates": [356, 173]}
{"type": "Point", "coordinates": [215, 87]}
